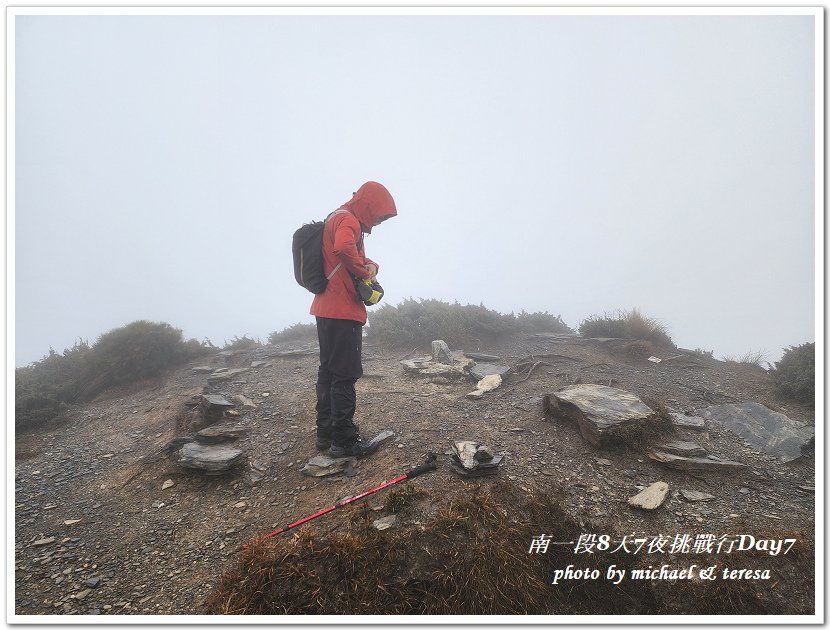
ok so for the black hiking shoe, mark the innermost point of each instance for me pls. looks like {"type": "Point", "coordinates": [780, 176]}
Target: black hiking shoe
{"type": "Point", "coordinates": [357, 449]}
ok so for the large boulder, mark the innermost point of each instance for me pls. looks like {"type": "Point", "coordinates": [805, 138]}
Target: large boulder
{"type": "Point", "coordinates": [767, 430]}
{"type": "Point", "coordinates": [601, 412]}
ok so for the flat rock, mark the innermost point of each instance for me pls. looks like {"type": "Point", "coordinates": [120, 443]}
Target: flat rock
{"type": "Point", "coordinates": [202, 369]}
{"type": "Point", "coordinates": [480, 370]}
{"type": "Point", "coordinates": [384, 523]}
{"type": "Point", "coordinates": [700, 464]}
{"type": "Point", "coordinates": [323, 465]}
{"type": "Point", "coordinates": [227, 375]}
{"type": "Point", "coordinates": [300, 352]}
{"type": "Point", "coordinates": [380, 437]}
{"type": "Point", "coordinates": [685, 449]}
{"type": "Point", "coordinates": [220, 433]}
{"type": "Point", "coordinates": [651, 498]}
{"type": "Point", "coordinates": [208, 458]}
{"type": "Point", "coordinates": [767, 430]}
{"type": "Point", "coordinates": [215, 400]}
{"type": "Point", "coordinates": [425, 366]}
{"type": "Point", "coordinates": [694, 496]}
{"type": "Point", "coordinates": [486, 384]}
{"type": "Point", "coordinates": [555, 336]}
{"type": "Point", "coordinates": [256, 364]}
{"type": "Point", "coordinates": [483, 469]}
{"type": "Point", "coordinates": [480, 356]}
{"type": "Point", "coordinates": [684, 421]}
{"type": "Point", "coordinates": [167, 484]}
{"type": "Point", "coordinates": [44, 541]}
{"type": "Point", "coordinates": [601, 411]}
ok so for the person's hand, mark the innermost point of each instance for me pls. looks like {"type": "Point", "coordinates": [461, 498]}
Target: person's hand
{"type": "Point", "coordinates": [373, 270]}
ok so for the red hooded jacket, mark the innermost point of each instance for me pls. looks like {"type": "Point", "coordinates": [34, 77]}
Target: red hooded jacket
{"type": "Point", "coordinates": [343, 243]}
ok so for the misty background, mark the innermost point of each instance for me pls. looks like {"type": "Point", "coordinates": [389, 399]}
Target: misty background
{"type": "Point", "coordinates": [571, 164]}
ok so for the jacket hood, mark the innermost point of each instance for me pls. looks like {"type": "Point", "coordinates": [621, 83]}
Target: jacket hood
{"type": "Point", "coordinates": [371, 202]}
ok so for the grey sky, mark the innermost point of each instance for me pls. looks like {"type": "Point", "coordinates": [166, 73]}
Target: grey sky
{"type": "Point", "coordinates": [571, 164]}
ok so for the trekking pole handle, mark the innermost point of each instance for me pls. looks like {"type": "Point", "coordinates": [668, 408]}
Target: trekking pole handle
{"type": "Point", "coordinates": [420, 470]}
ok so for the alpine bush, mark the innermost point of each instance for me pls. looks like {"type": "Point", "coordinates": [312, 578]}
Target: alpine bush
{"type": "Point", "coordinates": [43, 389]}
{"type": "Point", "coordinates": [295, 332]}
{"type": "Point", "coordinates": [421, 321]}
{"type": "Point", "coordinates": [138, 350]}
{"type": "Point", "coordinates": [795, 373]}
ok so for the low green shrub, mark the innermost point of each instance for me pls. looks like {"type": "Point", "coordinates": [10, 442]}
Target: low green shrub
{"type": "Point", "coordinates": [241, 343]}
{"type": "Point", "coordinates": [138, 350]}
{"type": "Point", "coordinates": [540, 322]}
{"type": "Point", "coordinates": [43, 389]}
{"type": "Point", "coordinates": [295, 332]}
{"type": "Point", "coordinates": [421, 321]}
{"type": "Point", "coordinates": [626, 325]}
{"type": "Point", "coordinates": [795, 373]}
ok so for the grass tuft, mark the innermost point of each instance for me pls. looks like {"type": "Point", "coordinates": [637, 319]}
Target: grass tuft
{"type": "Point", "coordinates": [627, 325]}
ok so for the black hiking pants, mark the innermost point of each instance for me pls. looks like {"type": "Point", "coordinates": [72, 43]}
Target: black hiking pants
{"type": "Point", "coordinates": [341, 343]}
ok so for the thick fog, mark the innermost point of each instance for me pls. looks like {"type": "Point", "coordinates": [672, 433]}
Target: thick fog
{"type": "Point", "coordinates": [570, 164]}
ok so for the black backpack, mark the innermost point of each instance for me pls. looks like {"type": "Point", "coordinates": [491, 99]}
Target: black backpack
{"type": "Point", "coordinates": [307, 248]}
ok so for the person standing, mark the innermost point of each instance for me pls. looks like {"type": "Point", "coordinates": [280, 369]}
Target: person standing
{"type": "Point", "coordinates": [340, 316]}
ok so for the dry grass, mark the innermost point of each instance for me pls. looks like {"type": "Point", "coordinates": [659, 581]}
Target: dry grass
{"type": "Point", "coordinates": [627, 325]}
{"type": "Point", "coordinates": [755, 358]}
{"type": "Point", "coordinates": [472, 558]}
{"type": "Point", "coordinates": [401, 500]}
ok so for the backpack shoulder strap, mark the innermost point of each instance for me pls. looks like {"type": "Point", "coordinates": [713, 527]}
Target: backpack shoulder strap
{"type": "Point", "coordinates": [339, 264]}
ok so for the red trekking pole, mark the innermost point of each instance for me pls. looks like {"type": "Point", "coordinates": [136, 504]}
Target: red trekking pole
{"type": "Point", "coordinates": [419, 470]}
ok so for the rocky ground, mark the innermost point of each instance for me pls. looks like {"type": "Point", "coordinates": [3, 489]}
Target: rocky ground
{"type": "Point", "coordinates": [99, 528]}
